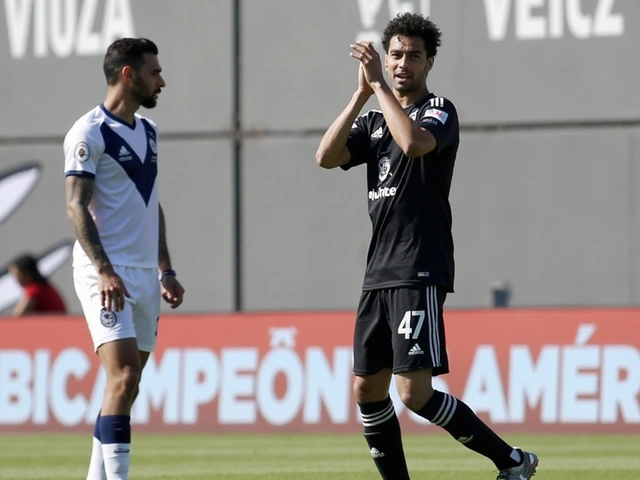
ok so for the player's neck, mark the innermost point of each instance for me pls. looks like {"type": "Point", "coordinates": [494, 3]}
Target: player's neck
{"type": "Point", "coordinates": [121, 106]}
{"type": "Point", "coordinates": [407, 99]}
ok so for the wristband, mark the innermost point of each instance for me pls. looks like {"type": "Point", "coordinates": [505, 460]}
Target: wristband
{"type": "Point", "coordinates": [167, 272]}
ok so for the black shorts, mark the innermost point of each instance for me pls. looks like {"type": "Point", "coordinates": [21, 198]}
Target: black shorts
{"type": "Point", "coordinates": [402, 329]}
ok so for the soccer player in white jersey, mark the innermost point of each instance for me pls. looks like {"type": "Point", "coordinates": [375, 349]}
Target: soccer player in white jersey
{"type": "Point", "coordinates": [111, 164]}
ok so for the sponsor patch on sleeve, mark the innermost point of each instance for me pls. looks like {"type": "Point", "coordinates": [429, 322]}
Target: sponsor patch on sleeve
{"type": "Point", "coordinates": [81, 152]}
{"type": "Point", "coordinates": [439, 115]}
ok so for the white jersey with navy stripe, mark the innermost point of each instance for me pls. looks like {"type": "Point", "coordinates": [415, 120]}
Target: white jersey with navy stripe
{"type": "Point", "coordinates": [122, 160]}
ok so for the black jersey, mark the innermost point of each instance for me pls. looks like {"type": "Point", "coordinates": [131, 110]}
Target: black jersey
{"type": "Point", "coordinates": [411, 241]}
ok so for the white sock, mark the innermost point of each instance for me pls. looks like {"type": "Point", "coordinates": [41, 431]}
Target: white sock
{"type": "Point", "coordinates": [515, 455]}
{"type": "Point", "coordinates": [116, 460]}
{"type": "Point", "coordinates": [96, 465]}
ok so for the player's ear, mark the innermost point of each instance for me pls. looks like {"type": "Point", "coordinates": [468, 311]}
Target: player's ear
{"type": "Point", "coordinates": [127, 73]}
{"type": "Point", "coordinates": [430, 61]}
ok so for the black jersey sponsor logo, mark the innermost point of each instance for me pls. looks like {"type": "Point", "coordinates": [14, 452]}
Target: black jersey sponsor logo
{"type": "Point", "coordinates": [382, 192]}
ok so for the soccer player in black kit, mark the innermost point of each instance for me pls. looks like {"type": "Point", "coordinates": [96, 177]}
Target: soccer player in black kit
{"type": "Point", "coordinates": [409, 148]}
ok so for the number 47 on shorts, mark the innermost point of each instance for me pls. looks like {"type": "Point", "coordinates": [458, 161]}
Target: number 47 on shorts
{"type": "Point", "coordinates": [405, 325]}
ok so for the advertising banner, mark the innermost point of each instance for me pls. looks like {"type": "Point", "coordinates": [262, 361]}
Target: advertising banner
{"type": "Point", "coordinates": [539, 371]}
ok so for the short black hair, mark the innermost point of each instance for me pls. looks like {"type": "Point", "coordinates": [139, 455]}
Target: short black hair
{"type": "Point", "coordinates": [413, 25]}
{"type": "Point", "coordinates": [123, 52]}
{"type": "Point", "coordinates": [28, 264]}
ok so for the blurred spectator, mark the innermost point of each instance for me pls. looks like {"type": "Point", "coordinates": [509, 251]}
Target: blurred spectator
{"type": "Point", "coordinates": [39, 296]}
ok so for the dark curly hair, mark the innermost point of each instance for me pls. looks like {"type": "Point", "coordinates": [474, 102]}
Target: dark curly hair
{"type": "Point", "coordinates": [126, 51]}
{"type": "Point", "coordinates": [413, 25]}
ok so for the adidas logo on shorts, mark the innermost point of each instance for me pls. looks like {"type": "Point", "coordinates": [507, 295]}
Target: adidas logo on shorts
{"type": "Point", "coordinates": [416, 350]}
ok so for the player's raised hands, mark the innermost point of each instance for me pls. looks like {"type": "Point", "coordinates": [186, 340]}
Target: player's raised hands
{"type": "Point", "coordinates": [363, 86]}
{"type": "Point", "coordinates": [112, 290]}
{"type": "Point", "coordinates": [370, 61]}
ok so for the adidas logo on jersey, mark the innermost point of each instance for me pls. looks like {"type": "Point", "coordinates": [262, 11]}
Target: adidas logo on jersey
{"type": "Point", "coordinates": [375, 453]}
{"type": "Point", "coordinates": [416, 350]}
{"type": "Point", "coordinates": [377, 133]}
{"type": "Point", "coordinates": [124, 154]}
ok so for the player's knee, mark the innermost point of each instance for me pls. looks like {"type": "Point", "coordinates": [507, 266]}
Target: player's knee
{"type": "Point", "coordinates": [124, 383]}
{"type": "Point", "coordinates": [413, 396]}
{"type": "Point", "coordinates": [367, 390]}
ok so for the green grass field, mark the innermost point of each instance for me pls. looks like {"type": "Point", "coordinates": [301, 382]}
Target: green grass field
{"type": "Point", "coordinates": [313, 457]}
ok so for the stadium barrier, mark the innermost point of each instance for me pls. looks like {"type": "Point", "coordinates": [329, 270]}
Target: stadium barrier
{"type": "Point", "coordinates": [540, 371]}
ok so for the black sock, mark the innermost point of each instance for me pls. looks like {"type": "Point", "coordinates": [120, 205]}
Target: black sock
{"type": "Point", "coordinates": [459, 420]}
{"type": "Point", "coordinates": [382, 433]}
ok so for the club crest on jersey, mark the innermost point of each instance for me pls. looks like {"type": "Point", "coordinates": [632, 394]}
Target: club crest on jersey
{"type": "Point", "coordinates": [439, 115]}
{"type": "Point", "coordinates": [152, 145]}
{"type": "Point", "coordinates": [107, 318]}
{"type": "Point", "coordinates": [81, 152]}
{"type": "Point", "coordinates": [384, 166]}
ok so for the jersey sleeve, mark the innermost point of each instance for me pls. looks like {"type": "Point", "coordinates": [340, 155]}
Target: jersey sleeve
{"type": "Point", "coordinates": [358, 142]}
{"type": "Point", "coordinates": [440, 117]}
{"type": "Point", "coordinates": [82, 151]}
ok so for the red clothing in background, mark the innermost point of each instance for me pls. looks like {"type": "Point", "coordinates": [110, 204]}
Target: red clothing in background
{"type": "Point", "coordinates": [47, 299]}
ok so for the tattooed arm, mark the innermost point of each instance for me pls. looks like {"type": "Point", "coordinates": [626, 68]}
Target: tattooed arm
{"type": "Point", "coordinates": [79, 191]}
{"type": "Point", "coordinates": [79, 194]}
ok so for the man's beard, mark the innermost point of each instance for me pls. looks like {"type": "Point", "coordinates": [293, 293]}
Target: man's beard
{"type": "Point", "coordinates": [147, 101]}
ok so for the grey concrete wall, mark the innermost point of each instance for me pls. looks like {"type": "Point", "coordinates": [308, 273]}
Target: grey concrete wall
{"type": "Point", "coordinates": [545, 192]}
{"type": "Point", "coordinates": [306, 229]}
{"type": "Point", "coordinates": [196, 192]}
{"type": "Point", "coordinates": [549, 212]}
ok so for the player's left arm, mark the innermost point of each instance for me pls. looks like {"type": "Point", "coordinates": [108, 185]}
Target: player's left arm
{"type": "Point", "coordinates": [439, 118]}
{"type": "Point", "coordinates": [172, 290]}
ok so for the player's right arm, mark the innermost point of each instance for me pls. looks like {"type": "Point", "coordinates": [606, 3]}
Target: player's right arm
{"type": "Point", "coordinates": [333, 151]}
{"type": "Point", "coordinates": [79, 191]}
